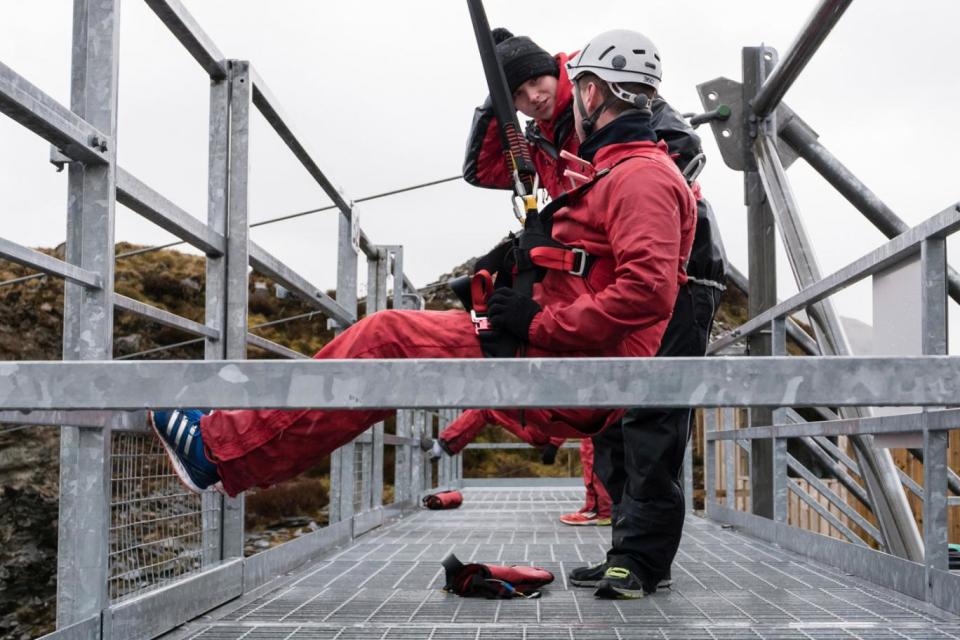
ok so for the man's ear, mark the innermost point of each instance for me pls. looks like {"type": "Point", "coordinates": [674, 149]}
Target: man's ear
{"type": "Point", "coordinates": [591, 95]}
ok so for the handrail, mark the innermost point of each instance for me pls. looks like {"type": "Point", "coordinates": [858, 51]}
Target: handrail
{"type": "Point", "coordinates": [193, 38]}
{"type": "Point", "coordinates": [137, 196]}
{"type": "Point", "coordinates": [943, 224]}
{"type": "Point", "coordinates": [494, 383]}
{"type": "Point", "coordinates": [50, 120]}
{"type": "Point", "coordinates": [268, 106]}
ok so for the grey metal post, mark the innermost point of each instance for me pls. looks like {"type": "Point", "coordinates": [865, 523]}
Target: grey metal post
{"type": "Point", "coordinates": [762, 271]}
{"type": "Point", "coordinates": [377, 300]}
{"type": "Point", "coordinates": [397, 296]}
{"type": "Point", "coordinates": [688, 474]}
{"type": "Point", "coordinates": [458, 469]}
{"type": "Point", "coordinates": [443, 464]}
{"type": "Point", "coordinates": [238, 260]}
{"type": "Point", "coordinates": [709, 459]}
{"type": "Point", "coordinates": [778, 330]}
{"type": "Point", "coordinates": [342, 479]}
{"type": "Point", "coordinates": [84, 523]}
{"type": "Point", "coordinates": [933, 263]}
{"type": "Point", "coordinates": [216, 290]}
{"type": "Point", "coordinates": [730, 459]}
{"type": "Point", "coordinates": [416, 459]}
{"type": "Point", "coordinates": [402, 455]}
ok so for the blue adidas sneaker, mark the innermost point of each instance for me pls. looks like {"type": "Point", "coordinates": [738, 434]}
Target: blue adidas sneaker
{"type": "Point", "coordinates": [179, 432]}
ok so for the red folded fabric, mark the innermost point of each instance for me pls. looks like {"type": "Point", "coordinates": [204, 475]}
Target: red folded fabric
{"type": "Point", "coordinates": [443, 500]}
{"type": "Point", "coordinates": [477, 580]}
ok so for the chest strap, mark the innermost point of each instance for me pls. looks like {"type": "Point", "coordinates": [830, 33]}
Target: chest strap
{"type": "Point", "coordinates": [573, 260]}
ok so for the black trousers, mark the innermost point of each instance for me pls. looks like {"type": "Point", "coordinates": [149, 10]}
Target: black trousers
{"type": "Point", "coordinates": [640, 459]}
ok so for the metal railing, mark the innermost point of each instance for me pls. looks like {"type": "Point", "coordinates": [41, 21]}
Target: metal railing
{"type": "Point", "coordinates": [761, 137]}
{"type": "Point", "coordinates": [129, 533]}
{"type": "Point", "coordinates": [103, 545]}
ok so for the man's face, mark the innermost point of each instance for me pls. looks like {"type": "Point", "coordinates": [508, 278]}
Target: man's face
{"type": "Point", "coordinates": [537, 97]}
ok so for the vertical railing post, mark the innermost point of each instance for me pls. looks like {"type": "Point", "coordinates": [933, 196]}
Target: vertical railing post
{"type": "Point", "coordinates": [402, 458]}
{"type": "Point", "coordinates": [778, 335]}
{"type": "Point", "coordinates": [709, 459]}
{"type": "Point", "coordinates": [445, 475]}
{"type": "Point", "coordinates": [730, 459]}
{"type": "Point", "coordinates": [933, 280]}
{"type": "Point", "coordinates": [84, 524]}
{"type": "Point", "coordinates": [216, 289]}
{"type": "Point", "coordinates": [377, 301]}
{"type": "Point", "coordinates": [416, 460]}
{"type": "Point", "coordinates": [761, 246]}
{"type": "Point", "coordinates": [238, 260]}
{"type": "Point", "coordinates": [342, 478]}
{"type": "Point", "coordinates": [688, 472]}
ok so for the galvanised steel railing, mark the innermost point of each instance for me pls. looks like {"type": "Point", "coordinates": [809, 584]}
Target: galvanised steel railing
{"type": "Point", "coordinates": [129, 533]}
{"type": "Point", "coordinates": [97, 397]}
{"type": "Point", "coordinates": [760, 136]}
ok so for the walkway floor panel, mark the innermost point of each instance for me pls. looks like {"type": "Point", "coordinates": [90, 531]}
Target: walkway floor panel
{"type": "Point", "coordinates": [726, 585]}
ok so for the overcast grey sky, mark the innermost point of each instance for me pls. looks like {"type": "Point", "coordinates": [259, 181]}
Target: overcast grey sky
{"type": "Point", "coordinates": [383, 93]}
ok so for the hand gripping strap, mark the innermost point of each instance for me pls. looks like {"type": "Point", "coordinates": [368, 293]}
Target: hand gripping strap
{"type": "Point", "coordinates": [443, 500]}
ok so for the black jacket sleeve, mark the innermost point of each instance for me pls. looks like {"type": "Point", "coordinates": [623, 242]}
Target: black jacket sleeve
{"type": "Point", "coordinates": [708, 259]}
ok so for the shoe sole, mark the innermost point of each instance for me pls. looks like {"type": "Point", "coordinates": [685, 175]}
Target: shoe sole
{"type": "Point", "coordinates": [589, 523]}
{"type": "Point", "coordinates": [663, 584]}
{"type": "Point", "coordinates": [584, 583]}
{"type": "Point", "coordinates": [608, 592]}
{"type": "Point", "coordinates": [178, 467]}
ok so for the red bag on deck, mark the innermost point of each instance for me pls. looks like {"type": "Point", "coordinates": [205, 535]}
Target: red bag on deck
{"type": "Point", "coordinates": [443, 500]}
{"type": "Point", "coordinates": [493, 581]}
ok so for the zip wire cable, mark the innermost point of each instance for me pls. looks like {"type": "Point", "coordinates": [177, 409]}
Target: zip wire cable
{"type": "Point", "coordinates": [261, 223]}
{"type": "Point", "coordinates": [185, 343]}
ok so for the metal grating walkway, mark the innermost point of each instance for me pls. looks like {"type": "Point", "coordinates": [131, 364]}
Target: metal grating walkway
{"type": "Point", "coordinates": [726, 585]}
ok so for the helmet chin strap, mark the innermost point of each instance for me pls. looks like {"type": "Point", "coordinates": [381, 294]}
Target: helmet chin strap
{"type": "Point", "coordinates": [589, 120]}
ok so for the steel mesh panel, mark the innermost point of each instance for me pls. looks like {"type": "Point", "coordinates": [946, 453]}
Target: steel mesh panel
{"type": "Point", "coordinates": [156, 528]}
{"type": "Point", "coordinates": [358, 497]}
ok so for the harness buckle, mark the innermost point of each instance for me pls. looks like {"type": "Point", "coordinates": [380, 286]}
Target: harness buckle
{"type": "Point", "coordinates": [480, 323]}
{"type": "Point", "coordinates": [579, 266]}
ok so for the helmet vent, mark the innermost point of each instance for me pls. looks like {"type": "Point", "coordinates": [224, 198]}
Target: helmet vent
{"type": "Point", "coordinates": [649, 65]}
{"type": "Point", "coordinates": [606, 51]}
{"type": "Point", "coordinates": [657, 56]}
{"type": "Point", "coordinates": [641, 52]}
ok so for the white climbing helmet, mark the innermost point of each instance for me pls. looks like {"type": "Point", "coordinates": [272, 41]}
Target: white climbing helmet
{"type": "Point", "coordinates": [619, 56]}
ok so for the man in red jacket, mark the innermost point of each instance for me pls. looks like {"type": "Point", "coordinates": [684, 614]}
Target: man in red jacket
{"type": "Point", "coordinates": [542, 92]}
{"type": "Point", "coordinates": [638, 460]}
{"type": "Point", "coordinates": [633, 220]}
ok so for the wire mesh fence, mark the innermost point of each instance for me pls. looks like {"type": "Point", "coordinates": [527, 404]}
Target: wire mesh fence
{"type": "Point", "coordinates": [157, 525]}
{"type": "Point", "coordinates": [360, 454]}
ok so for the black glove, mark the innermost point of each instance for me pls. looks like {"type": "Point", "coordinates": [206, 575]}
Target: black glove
{"type": "Point", "coordinates": [512, 312]}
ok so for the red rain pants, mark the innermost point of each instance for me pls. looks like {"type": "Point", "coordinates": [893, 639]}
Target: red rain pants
{"type": "Point", "coordinates": [258, 448]}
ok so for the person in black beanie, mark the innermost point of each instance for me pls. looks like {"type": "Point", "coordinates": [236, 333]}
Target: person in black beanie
{"type": "Point", "coordinates": [637, 461]}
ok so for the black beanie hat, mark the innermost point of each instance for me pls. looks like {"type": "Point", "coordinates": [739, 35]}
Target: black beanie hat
{"type": "Point", "coordinates": [522, 59]}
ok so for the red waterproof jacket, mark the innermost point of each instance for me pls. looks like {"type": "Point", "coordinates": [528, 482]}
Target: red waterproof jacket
{"type": "Point", "coordinates": [638, 221]}
{"type": "Point", "coordinates": [484, 164]}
